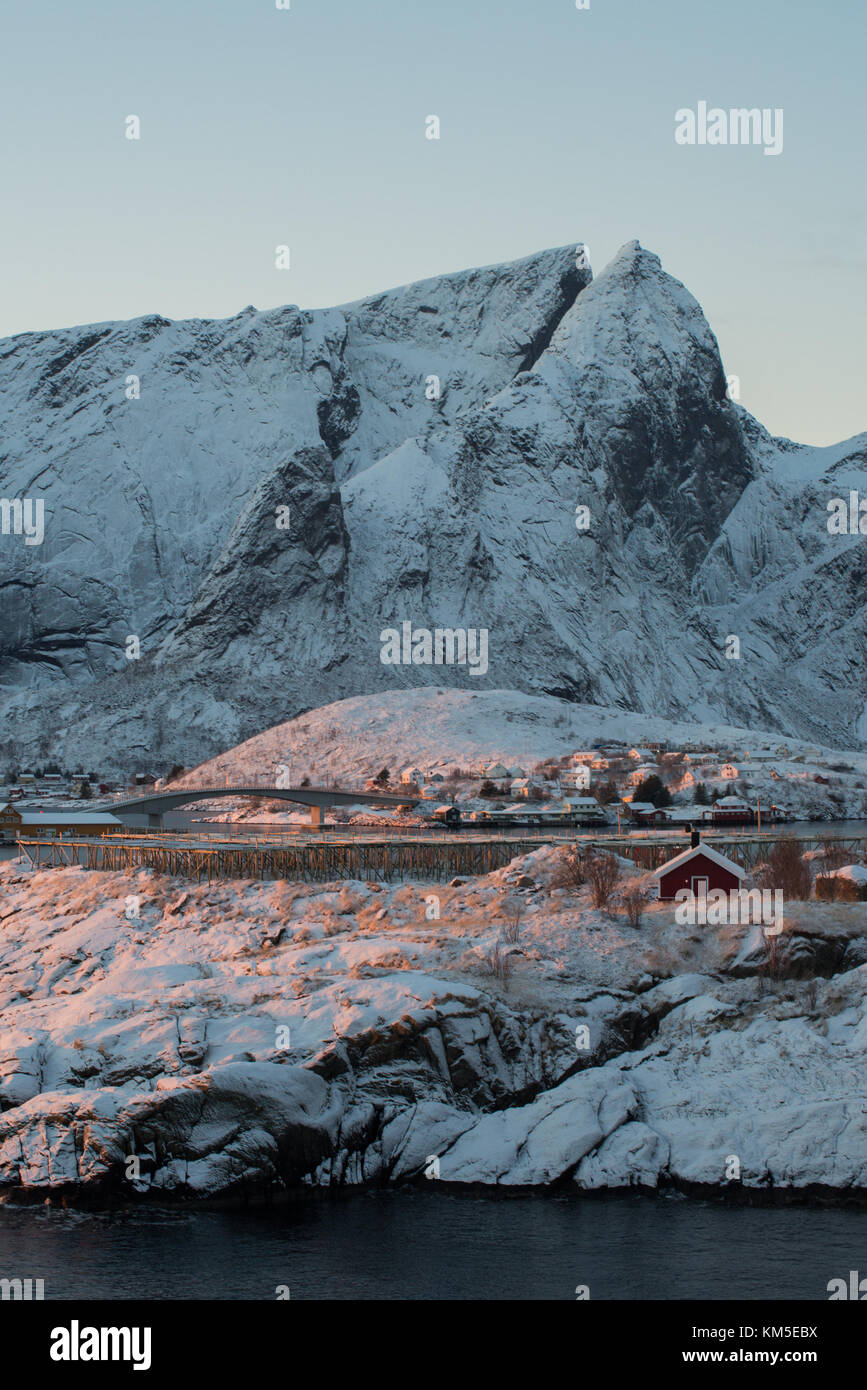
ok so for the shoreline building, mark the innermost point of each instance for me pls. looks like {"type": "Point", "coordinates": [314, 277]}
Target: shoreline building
{"type": "Point", "coordinates": [15, 823]}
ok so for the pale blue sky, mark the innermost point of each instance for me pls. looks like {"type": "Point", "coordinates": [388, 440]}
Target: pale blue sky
{"type": "Point", "coordinates": [306, 126]}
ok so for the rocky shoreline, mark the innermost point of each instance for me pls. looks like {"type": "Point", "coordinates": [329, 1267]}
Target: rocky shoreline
{"type": "Point", "coordinates": [251, 1042]}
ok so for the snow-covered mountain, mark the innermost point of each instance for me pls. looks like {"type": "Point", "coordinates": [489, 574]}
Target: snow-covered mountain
{"type": "Point", "coordinates": [431, 445]}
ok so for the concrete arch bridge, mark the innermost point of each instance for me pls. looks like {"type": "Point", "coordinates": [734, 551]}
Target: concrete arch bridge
{"type": "Point", "coordinates": [154, 805]}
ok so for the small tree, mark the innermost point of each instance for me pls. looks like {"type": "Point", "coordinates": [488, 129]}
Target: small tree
{"type": "Point", "coordinates": [603, 874]}
{"type": "Point", "coordinates": [488, 789]}
{"type": "Point", "coordinates": [85, 791]}
{"type": "Point", "coordinates": [634, 897]}
{"type": "Point", "coordinates": [606, 793]}
{"type": "Point", "coordinates": [383, 777]}
{"type": "Point", "coordinates": [305, 781]}
{"type": "Point", "coordinates": [700, 797]}
{"type": "Point", "coordinates": [785, 868]}
{"type": "Point", "coordinates": [570, 873]}
{"type": "Point", "coordinates": [514, 911]}
{"type": "Point", "coordinates": [653, 789]}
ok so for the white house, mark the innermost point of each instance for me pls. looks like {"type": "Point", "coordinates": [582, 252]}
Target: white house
{"type": "Point", "coordinates": [412, 774]}
{"type": "Point", "coordinates": [520, 787]}
{"type": "Point", "coordinates": [729, 772]}
{"type": "Point", "coordinates": [517, 772]}
{"type": "Point", "coordinates": [586, 808]}
{"type": "Point", "coordinates": [495, 771]}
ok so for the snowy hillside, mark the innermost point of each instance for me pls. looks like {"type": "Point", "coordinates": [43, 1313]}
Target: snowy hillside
{"type": "Point", "coordinates": [426, 449]}
{"type": "Point", "coordinates": [354, 738]}
{"type": "Point", "coordinates": [442, 729]}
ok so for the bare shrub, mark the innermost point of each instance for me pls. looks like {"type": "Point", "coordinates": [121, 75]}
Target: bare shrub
{"type": "Point", "coordinates": [603, 875]}
{"type": "Point", "coordinates": [785, 868]}
{"type": "Point", "coordinates": [769, 967]}
{"type": "Point", "coordinates": [570, 872]}
{"type": "Point", "coordinates": [498, 964]}
{"type": "Point", "coordinates": [833, 857]}
{"type": "Point", "coordinates": [514, 910]}
{"type": "Point", "coordinates": [634, 897]}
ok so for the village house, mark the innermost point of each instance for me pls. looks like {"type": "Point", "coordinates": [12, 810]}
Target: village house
{"type": "Point", "coordinates": [731, 810]}
{"type": "Point", "coordinates": [520, 787]}
{"type": "Point", "coordinates": [517, 771]}
{"type": "Point", "coordinates": [699, 870]}
{"type": "Point", "coordinates": [411, 776]}
{"type": "Point", "coordinates": [586, 756]}
{"type": "Point", "coordinates": [585, 808]}
{"type": "Point", "coordinates": [728, 772]}
{"type": "Point", "coordinates": [600, 764]}
{"type": "Point", "coordinates": [638, 774]}
{"type": "Point", "coordinates": [495, 771]}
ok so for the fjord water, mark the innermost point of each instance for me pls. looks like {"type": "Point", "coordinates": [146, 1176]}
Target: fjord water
{"type": "Point", "coordinates": [428, 1245]}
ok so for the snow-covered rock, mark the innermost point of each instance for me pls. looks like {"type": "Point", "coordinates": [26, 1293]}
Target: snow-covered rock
{"type": "Point", "coordinates": [244, 1038]}
{"type": "Point", "coordinates": [456, 511]}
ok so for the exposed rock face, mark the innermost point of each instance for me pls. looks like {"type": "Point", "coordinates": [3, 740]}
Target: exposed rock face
{"type": "Point", "coordinates": [449, 505]}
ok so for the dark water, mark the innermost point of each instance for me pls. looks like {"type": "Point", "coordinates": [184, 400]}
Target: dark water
{"type": "Point", "coordinates": [436, 1246]}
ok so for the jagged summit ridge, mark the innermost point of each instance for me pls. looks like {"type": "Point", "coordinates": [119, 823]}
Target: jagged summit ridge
{"type": "Point", "coordinates": [453, 507]}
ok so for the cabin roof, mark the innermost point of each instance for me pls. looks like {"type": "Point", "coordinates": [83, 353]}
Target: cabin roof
{"type": "Point", "coordinates": [698, 850]}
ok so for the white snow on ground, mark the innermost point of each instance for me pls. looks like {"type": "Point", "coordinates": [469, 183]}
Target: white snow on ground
{"type": "Point", "coordinates": [162, 1035]}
